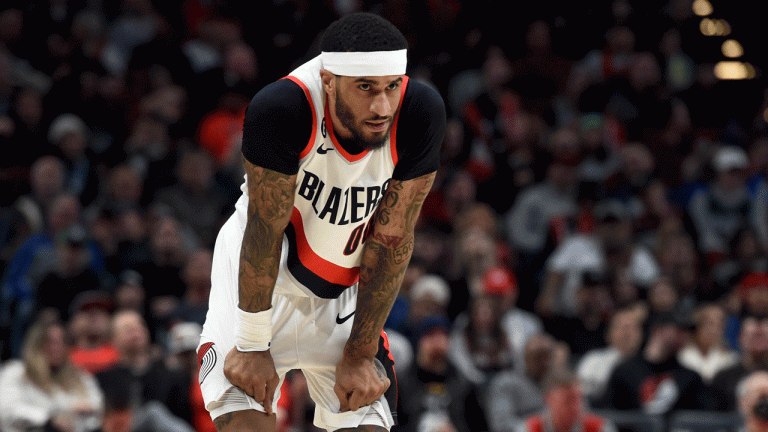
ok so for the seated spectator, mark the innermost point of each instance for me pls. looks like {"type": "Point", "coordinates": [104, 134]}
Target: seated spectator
{"type": "Point", "coordinates": [197, 280]}
{"type": "Point", "coordinates": [723, 207]}
{"type": "Point", "coordinates": [528, 222]}
{"type": "Point", "coordinates": [69, 133]}
{"type": "Point", "coordinates": [753, 355]}
{"type": "Point", "coordinates": [586, 330]}
{"type": "Point", "coordinates": [43, 390]}
{"type": "Point", "coordinates": [479, 342]}
{"type": "Point", "coordinates": [624, 336]}
{"type": "Point", "coordinates": [141, 375]}
{"type": "Point", "coordinates": [518, 324]}
{"type": "Point", "coordinates": [89, 328]}
{"type": "Point", "coordinates": [428, 297]}
{"type": "Point", "coordinates": [181, 346]}
{"type": "Point", "coordinates": [564, 410]}
{"type": "Point", "coordinates": [30, 265]}
{"type": "Point", "coordinates": [707, 352]}
{"type": "Point", "coordinates": [26, 217]}
{"type": "Point", "coordinates": [608, 249]}
{"type": "Point", "coordinates": [74, 273]}
{"type": "Point", "coordinates": [753, 402]}
{"type": "Point", "coordinates": [432, 391]}
{"type": "Point", "coordinates": [754, 293]}
{"type": "Point", "coordinates": [746, 254]}
{"type": "Point", "coordinates": [195, 200]}
{"type": "Point", "coordinates": [512, 396]}
{"type": "Point", "coordinates": [653, 381]}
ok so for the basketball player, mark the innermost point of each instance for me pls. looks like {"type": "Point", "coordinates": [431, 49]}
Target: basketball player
{"type": "Point", "coordinates": [339, 157]}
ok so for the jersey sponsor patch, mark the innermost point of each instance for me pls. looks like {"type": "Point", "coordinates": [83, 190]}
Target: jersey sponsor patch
{"type": "Point", "coordinates": [206, 356]}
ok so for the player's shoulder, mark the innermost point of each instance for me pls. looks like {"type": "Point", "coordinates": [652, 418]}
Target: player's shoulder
{"type": "Point", "coordinates": [422, 98]}
{"type": "Point", "coordinates": [283, 93]}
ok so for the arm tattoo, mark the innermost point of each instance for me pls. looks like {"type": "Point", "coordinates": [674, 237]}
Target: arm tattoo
{"type": "Point", "coordinates": [269, 210]}
{"type": "Point", "coordinates": [385, 259]}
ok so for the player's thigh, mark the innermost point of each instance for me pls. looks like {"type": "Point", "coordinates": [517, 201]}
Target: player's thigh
{"type": "Point", "coordinates": [246, 421]}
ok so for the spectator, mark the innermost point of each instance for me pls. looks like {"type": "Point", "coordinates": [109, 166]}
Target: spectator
{"type": "Point", "coordinates": [707, 352]}
{"type": "Point", "coordinates": [29, 266]}
{"type": "Point", "coordinates": [753, 402]}
{"type": "Point", "coordinates": [26, 133]}
{"type": "Point", "coordinates": [26, 217]}
{"type": "Point", "coordinates": [609, 249]}
{"type": "Point", "coordinates": [428, 297]}
{"type": "Point", "coordinates": [585, 330]}
{"type": "Point", "coordinates": [89, 328]}
{"type": "Point", "coordinates": [181, 346]}
{"type": "Point", "coordinates": [518, 324]}
{"type": "Point", "coordinates": [653, 381]}
{"type": "Point", "coordinates": [723, 207]}
{"type": "Point", "coordinates": [162, 274]}
{"type": "Point", "coordinates": [74, 272]}
{"type": "Point", "coordinates": [753, 356]}
{"type": "Point", "coordinates": [514, 395]}
{"type": "Point", "coordinates": [197, 280]}
{"type": "Point", "coordinates": [753, 292]}
{"type": "Point", "coordinates": [69, 133]}
{"type": "Point", "coordinates": [433, 393]}
{"type": "Point", "coordinates": [528, 223]}
{"type": "Point", "coordinates": [624, 337]}
{"type": "Point", "coordinates": [480, 345]}
{"type": "Point", "coordinates": [43, 389]}
{"type": "Point", "coordinates": [565, 410]}
{"type": "Point", "coordinates": [141, 375]}
{"type": "Point", "coordinates": [195, 200]}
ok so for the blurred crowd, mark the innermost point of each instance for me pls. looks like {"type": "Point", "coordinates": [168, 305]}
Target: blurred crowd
{"type": "Point", "coordinates": [596, 242]}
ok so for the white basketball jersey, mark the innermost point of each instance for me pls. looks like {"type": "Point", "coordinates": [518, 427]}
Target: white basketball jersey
{"type": "Point", "coordinates": [336, 196]}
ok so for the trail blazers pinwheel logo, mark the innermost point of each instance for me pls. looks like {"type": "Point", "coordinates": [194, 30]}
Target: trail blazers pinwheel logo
{"type": "Point", "coordinates": [206, 356]}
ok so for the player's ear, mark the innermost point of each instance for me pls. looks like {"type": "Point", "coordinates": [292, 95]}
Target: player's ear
{"type": "Point", "coordinates": [328, 80]}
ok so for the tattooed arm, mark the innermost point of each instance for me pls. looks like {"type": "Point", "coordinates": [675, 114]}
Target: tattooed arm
{"type": "Point", "coordinates": [270, 196]}
{"type": "Point", "coordinates": [385, 258]}
{"type": "Point", "coordinates": [270, 203]}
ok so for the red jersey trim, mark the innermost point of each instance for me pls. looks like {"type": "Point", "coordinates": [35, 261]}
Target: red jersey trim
{"type": "Point", "coordinates": [308, 147]}
{"type": "Point", "coordinates": [329, 125]}
{"type": "Point", "coordinates": [327, 270]}
{"type": "Point", "coordinates": [393, 134]}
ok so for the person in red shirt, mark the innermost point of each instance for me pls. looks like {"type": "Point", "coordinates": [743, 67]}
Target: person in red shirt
{"type": "Point", "coordinates": [565, 407]}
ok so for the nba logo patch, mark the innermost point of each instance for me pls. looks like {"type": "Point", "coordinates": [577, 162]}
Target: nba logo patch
{"type": "Point", "coordinates": [206, 356]}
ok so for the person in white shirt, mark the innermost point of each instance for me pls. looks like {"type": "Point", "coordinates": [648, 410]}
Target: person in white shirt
{"type": "Point", "coordinates": [625, 333]}
{"type": "Point", "coordinates": [43, 389]}
{"type": "Point", "coordinates": [707, 352]}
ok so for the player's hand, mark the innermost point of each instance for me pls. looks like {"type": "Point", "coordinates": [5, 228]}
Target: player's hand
{"type": "Point", "coordinates": [359, 382]}
{"type": "Point", "coordinates": [254, 373]}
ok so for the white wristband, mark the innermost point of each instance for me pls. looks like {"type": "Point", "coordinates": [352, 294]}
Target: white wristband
{"type": "Point", "coordinates": [254, 330]}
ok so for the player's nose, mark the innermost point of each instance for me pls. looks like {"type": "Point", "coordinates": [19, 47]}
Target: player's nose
{"type": "Point", "coordinates": [380, 105]}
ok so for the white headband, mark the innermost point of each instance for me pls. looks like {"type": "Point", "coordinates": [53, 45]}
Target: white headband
{"type": "Point", "coordinates": [372, 63]}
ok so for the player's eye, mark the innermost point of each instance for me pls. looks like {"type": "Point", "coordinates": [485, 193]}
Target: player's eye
{"type": "Point", "coordinates": [393, 86]}
{"type": "Point", "coordinates": [365, 87]}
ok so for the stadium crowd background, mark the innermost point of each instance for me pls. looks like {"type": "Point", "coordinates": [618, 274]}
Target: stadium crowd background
{"type": "Point", "coordinates": [601, 206]}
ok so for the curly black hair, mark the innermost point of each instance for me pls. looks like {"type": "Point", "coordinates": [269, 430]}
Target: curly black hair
{"type": "Point", "coordinates": [362, 32]}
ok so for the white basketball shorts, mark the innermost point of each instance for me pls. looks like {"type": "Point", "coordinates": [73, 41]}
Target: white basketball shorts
{"type": "Point", "coordinates": [309, 334]}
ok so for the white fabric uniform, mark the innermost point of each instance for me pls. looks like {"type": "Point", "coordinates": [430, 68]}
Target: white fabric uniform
{"type": "Point", "coordinates": [336, 195]}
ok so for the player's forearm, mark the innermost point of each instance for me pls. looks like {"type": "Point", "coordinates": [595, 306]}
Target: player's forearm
{"type": "Point", "coordinates": [269, 211]}
{"type": "Point", "coordinates": [381, 274]}
{"type": "Point", "coordinates": [385, 258]}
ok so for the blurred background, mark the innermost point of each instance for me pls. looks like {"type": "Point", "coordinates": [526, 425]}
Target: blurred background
{"type": "Point", "coordinates": [594, 248]}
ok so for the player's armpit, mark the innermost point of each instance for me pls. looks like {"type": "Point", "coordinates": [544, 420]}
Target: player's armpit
{"type": "Point", "coordinates": [387, 252]}
{"type": "Point", "coordinates": [270, 203]}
